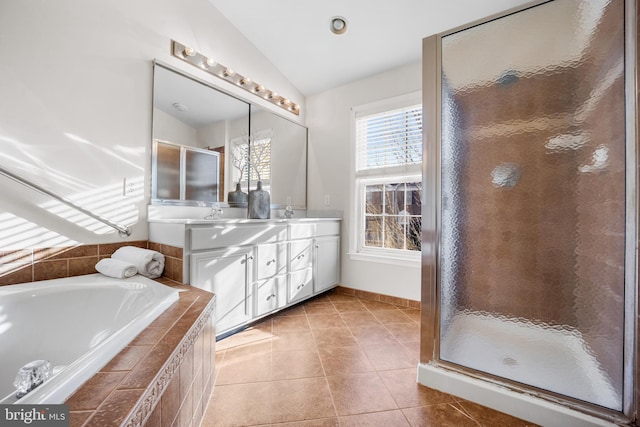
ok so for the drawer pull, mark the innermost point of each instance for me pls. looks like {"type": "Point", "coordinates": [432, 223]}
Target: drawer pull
{"type": "Point", "coordinates": [300, 286]}
{"type": "Point", "coordinates": [244, 261]}
{"type": "Point", "coordinates": [271, 296]}
{"type": "Point", "coordinates": [300, 256]}
{"type": "Point", "coordinates": [271, 261]}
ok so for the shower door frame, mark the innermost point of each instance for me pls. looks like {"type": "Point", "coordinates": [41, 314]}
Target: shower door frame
{"type": "Point", "coordinates": [431, 223]}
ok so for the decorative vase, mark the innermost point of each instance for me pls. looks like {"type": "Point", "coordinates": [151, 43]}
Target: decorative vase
{"type": "Point", "coordinates": [259, 203]}
{"type": "Point", "coordinates": [237, 198]}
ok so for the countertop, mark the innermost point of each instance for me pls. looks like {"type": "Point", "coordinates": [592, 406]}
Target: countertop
{"type": "Point", "coordinates": [196, 221]}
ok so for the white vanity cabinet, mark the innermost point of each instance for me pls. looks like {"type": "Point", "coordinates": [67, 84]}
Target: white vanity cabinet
{"type": "Point", "coordinates": [300, 270]}
{"type": "Point", "coordinates": [271, 277]}
{"type": "Point", "coordinates": [227, 273]}
{"type": "Point", "coordinates": [327, 263]}
{"type": "Point", "coordinates": [255, 267]}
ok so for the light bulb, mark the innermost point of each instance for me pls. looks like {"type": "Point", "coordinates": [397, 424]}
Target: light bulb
{"type": "Point", "coordinates": [259, 88]}
{"type": "Point", "coordinates": [228, 72]}
{"type": "Point", "coordinates": [210, 62]}
{"type": "Point", "coordinates": [273, 95]}
{"type": "Point", "coordinates": [245, 81]}
{"type": "Point", "coordinates": [189, 51]}
{"type": "Point", "coordinates": [338, 25]}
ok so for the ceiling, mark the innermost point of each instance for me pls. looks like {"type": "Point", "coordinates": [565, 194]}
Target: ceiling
{"type": "Point", "coordinates": [381, 34]}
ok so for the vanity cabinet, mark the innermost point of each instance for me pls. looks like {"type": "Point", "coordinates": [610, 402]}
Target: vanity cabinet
{"type": "Point", "coordinates": [327, 262]}
{"type": "Point", "coordinates": [255, 267]}
{"type": "Point", "coordinates": [226, 273]}
{"type": "Point", "coordinates": [300, 270]}
{"type": "Point", "coordinates": [271, 277]}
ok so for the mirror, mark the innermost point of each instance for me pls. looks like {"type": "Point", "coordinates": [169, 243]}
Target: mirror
{"type": "Point", "coordinates": [279, 157]}
{"type": "Point", "coordinates": [251, 144]}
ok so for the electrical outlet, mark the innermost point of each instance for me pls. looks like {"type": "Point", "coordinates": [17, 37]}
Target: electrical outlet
{"type": "Point", "coordinates": [327, 200]}
{"type": "Point", "coordinates": [128, 188]}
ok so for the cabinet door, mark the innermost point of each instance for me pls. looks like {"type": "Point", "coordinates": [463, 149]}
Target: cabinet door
{"type": "Point", "coordinates": [271, 260]}
{"type": "Point", "coordinates": [326, 263]}
{"type": "Point", "coordinates": [271, 294]}
{"type": "Point", "coordinates": [300, 285]}
{"type": "Point", "coordinates": [300, 253]}
{"type": "Point", "coordinates": [226, 273]}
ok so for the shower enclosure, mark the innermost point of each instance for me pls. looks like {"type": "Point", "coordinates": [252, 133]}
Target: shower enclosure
{"type": "Point", "coordinates": [529, 244]}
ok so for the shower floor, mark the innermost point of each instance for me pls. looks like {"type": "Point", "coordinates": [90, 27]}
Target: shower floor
{"type": "Point", "coordinates": [544, 357]}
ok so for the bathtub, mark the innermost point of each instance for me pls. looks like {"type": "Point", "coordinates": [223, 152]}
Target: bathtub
{"type": "Point", "coordinates": [78, 324]}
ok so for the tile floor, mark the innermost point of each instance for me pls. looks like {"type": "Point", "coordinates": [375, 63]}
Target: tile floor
{"type": "Point", "coordinates": [335, 360]}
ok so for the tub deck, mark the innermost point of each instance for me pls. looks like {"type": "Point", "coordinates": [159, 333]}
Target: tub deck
{"type": "Point", "coordinates": [164, 376]}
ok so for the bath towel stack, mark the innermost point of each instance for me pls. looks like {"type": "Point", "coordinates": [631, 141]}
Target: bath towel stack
{"type": "Point", "coordinates": [148, 263]}
{"type": "Point", "coordinates": [116, 268]}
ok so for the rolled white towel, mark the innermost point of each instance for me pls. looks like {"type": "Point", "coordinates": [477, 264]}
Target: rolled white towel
{"type": "Point", "coordinates": [116, 268]}
{"type": "Point", "coordinates": [149, 263]}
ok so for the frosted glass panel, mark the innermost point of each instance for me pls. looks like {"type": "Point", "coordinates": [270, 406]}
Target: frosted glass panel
{"type": "Point", "coordinates": [533, 199]}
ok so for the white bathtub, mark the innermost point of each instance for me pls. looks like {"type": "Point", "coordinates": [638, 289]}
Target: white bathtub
{"type": "Point", "coordinates": [79, 323]}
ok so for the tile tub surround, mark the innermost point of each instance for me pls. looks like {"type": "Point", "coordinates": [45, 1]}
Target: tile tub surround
{"type": "Point", "coordinates": [164, 377]}
{"type": "Point", "coordinates": [30, 265]}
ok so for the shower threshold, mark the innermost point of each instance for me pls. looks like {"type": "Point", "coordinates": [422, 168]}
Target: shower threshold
{"type": "Point", "coordinates": [550, 358]}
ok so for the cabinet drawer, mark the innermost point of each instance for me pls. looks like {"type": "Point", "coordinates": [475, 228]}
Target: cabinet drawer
{"type": "Point", "coordinates": [300, 284]}
{"type": "Point", "coordinates": [328, 228]}
{"type": "Point", "coordinates": [300, 254]}
{"type": "Point", "coordinates": [224, 235]}
{"type": "Point", "coordinates": [302, 231]}
{"type": "Point", "coordinates": [271, 260]}
{"type": "Point", "coordinates": [271, 294]}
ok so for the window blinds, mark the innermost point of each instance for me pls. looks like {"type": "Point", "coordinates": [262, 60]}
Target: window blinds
{"type": "Point", "coordinates": [392, 138]}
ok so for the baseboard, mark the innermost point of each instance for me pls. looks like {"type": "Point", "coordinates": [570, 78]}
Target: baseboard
{"type": "Point", "coordinates": [401, 302]}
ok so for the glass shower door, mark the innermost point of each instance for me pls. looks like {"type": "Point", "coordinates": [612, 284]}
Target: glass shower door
{"type": "Point", "coordinates": [532, 202]}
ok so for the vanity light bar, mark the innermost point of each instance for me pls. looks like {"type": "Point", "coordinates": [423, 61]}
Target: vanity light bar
{"type": "Point", "coordinates": [190, 55]}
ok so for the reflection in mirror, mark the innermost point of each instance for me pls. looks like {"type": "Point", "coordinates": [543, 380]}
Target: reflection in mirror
{"type": "Point", "coordinates": [190, 113]}
{"type": "Point", "coordinates": [185, 175]}
{"type": "Point", "coordinates": [279, 158]}
{"type": "Point", "coordinates": [189, 119]}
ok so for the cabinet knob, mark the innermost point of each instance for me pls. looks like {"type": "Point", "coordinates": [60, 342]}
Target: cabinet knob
{"type": "Point", "coordinates": [317, 246]}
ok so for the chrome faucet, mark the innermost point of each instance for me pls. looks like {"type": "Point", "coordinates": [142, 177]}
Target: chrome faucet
{"type": "Point", "coordinates": [216, 212]}
{"type": "Point", "coordinates": [31, 376]}
{"type": "Point", "coordinates": [288, 212]}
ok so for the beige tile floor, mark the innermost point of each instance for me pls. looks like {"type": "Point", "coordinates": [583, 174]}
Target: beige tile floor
{"type": "Point", "coordinates": [335, 360]}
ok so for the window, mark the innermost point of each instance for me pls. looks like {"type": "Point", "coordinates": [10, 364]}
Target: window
{"type": "Point", "coordinates": [388, 179]}
{"type": "Point", "coordinates": [260, 160]}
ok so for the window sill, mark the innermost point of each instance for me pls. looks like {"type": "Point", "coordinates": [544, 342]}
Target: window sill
{"type": "Point", "coordinates": [386, 259]}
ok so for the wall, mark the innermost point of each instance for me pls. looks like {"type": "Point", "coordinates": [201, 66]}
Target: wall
{"type": "Point", "coordinates": [76, 110]}
{"type": "Point", "coordinates": [168, 128]}
{"type": "Point", "coordinates": [329, 172]}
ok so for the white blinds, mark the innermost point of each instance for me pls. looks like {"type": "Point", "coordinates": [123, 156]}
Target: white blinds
{"type": "Point", "coordinates": [392, 138]}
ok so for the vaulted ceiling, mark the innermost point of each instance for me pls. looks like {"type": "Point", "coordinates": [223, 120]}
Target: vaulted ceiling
{"type": "Point", "coordinates": [381, 34]}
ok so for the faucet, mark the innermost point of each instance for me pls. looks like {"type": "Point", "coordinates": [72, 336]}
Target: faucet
{"type": "Point", "coordinates": [288, 212]}
{"type": "Point", "coordinates": [31, 376]}
{"type": "Point", "coordinates": [216, 212]}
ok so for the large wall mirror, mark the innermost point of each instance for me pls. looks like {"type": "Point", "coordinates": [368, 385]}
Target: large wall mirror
{"type": "Point", "coordinates": [206, 142]}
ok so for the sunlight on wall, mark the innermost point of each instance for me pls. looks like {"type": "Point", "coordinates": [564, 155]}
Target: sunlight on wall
{"type": "Point", "coordinates": [18, 233]}
{"type": "Point", "coordinates": [107, 202]}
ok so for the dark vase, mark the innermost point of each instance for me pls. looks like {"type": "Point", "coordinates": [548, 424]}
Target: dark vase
{"type": "Point", "coordinates": [259, 203]}
{"type": "Point", "coordinates": [237, 198]}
